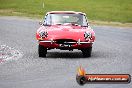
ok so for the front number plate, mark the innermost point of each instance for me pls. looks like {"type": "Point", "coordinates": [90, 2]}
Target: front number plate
{"type": "Point", "coordinates": [64, 45]}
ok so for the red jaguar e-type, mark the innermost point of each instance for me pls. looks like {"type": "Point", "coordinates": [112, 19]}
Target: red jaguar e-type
{"type": "Point", "coordinates": [65, 30]}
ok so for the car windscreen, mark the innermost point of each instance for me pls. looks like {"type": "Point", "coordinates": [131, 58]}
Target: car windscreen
{"type": "Point", "coordinates": [77, 19]}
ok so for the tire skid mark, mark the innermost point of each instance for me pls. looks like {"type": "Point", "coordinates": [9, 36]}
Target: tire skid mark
{"type": "Point", "coordinates": [8, 53]}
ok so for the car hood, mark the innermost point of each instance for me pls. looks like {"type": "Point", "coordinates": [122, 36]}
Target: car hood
{"type": "Point", "coordinates": [65, 32]}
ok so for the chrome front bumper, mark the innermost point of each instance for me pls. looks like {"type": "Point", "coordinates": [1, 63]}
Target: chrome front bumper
{"type": "Point", "coordinates": [78, 42]}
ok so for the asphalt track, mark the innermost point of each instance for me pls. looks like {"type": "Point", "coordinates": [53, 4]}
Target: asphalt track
{"type": "Point", "coordinates": [112, 54]}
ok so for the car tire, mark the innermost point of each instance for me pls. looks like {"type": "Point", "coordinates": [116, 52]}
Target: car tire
{"type": "Point", "coordinates": [42, 51]}
{"type": "Point", "coordinates": [87, 52]}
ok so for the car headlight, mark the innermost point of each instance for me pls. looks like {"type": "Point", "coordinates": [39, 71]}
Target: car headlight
{"type": "Point", "coordinates": [43, 34]}
{"type": "Point", "coordinates": [87, 35]}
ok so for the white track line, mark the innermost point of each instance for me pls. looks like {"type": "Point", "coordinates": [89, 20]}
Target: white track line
{"type": "Point", "coordinates": [7, 53]}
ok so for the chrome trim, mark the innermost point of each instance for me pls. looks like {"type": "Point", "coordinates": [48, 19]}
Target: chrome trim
{"type": "Point", "coordinates": [51, 41]}
{"type": "Point", "coordinates": [78, 42]}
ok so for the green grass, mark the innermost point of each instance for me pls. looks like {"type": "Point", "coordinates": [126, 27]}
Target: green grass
{"type": "Point", "coordinates": [101, 10]}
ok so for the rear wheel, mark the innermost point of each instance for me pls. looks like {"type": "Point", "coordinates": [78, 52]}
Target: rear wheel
{"type": "Point", "coordinates": [42, 51]}
{"type": "Point", "coordinates": [87, 52]}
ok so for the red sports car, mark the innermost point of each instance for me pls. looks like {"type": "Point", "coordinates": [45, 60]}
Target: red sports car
{"type": "Point", "coordinates": [65, 30]}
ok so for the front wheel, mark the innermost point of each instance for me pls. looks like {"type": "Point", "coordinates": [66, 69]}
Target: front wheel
{"type": "Point", "coordinates": [42, 51]}
{"type": "Point", "coordinates": [87, 52]}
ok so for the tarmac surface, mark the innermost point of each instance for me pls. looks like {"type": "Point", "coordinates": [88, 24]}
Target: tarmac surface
{"type": "Point", "coordinates": [20, 66]}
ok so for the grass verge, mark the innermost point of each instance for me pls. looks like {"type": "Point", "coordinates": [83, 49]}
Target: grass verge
{"type": "Point", "coordinates": [98, 11]}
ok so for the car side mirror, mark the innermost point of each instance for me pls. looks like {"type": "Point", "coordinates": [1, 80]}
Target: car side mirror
{"type": "Point", "coordinates": [40, 23]}
{"type": "Point", "coordinates": [44, 24]}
